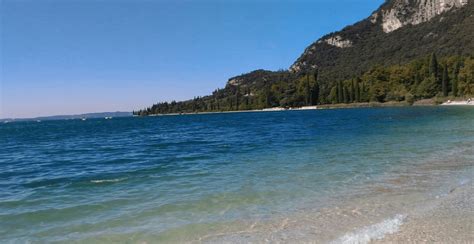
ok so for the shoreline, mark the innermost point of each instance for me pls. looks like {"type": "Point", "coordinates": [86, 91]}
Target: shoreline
{"type": "Point", "coordinates": [458, 103]}
{"type": "Point", "coordinates": [315, 107]}
{"type": "Point", "coordinates": [424, 102]}
{"type": "Point", "coordinates": [419, 207]}
{"type": "Point", "coordinates": [388, 217]}
{"type": "Point", "coordinates": [444, 218]}
{"type": "Point", "coordinates": [449, 220]}
{"type": "Point", "coordinates": [409, 207]}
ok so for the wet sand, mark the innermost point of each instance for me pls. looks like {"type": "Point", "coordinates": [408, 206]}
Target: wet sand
{"type": "Point", "coordinates": [449, 220]}
{"type": "Point", "coordinates": [444, 219]}
{"type": "Point", "coordinates": [458, 103]}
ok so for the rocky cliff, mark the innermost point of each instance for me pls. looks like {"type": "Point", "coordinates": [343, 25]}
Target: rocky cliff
{"type": "Point", "coordinates": [397, 32]}
{"type": "Point", "coordinates": [396, 14]}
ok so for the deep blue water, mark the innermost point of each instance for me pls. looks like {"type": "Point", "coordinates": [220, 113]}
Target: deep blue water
{"type": "Point", "coordinates": [87, 180]}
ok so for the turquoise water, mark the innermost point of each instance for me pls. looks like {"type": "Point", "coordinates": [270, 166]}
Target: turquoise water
{"type": "Point", "coordinates": [175, 177]}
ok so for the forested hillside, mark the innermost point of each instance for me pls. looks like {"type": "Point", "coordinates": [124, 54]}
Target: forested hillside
{"type": "Point", "coordinates": [422, 78]}
{"type": "Point", "coordinates": [370, 61]}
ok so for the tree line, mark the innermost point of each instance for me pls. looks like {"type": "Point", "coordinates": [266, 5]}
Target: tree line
{"type": "Point", "coordinates": [423, 78]}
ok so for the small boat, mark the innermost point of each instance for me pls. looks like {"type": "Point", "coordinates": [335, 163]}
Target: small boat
{"type": "Point", "coordinates": [83, 119]}
{"type": "Point", "coordinates": [108, 117]}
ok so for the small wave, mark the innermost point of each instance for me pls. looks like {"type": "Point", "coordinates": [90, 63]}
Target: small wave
{"type": "Point", "coordinates": [464, 181]}
{"type": "Point", "coordinates": [108, 180]}
{"type": "Point", "coordinates": [373, 232]}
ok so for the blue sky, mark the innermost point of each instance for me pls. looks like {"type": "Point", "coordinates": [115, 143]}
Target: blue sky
{"type": "Point", "coordinates": [77, 56]}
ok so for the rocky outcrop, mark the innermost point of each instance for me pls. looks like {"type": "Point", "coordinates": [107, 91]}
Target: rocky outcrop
{"type": "Point", "coordinates": [234, 82]}
{"type": "Point", "coordinates": [337, 41]}
{"type": "Point", "coordinates": [404, 12]}
{"type": "Point", "coordinates": [374, 39]}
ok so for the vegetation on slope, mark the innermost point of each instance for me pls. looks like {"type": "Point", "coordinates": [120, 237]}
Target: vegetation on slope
{"type": "Point", "coordinates": [422, 78]}
{"type": "Point", "coordinates": [377, 67]}
{"type": "Point", "coordinates": [451, 33]}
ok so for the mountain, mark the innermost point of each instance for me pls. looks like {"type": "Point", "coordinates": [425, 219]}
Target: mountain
{"type": "Point", "coordinates": [398, 32]}
{"type": "Point", "coordinates": [405, 50]}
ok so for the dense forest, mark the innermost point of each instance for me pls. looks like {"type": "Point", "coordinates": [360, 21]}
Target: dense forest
{"type": "Point", "coordinates": [428, 77]}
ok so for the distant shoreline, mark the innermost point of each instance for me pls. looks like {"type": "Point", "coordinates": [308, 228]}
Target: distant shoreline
{"type": "Point", "coordinates": [92, 115]}
{"type": "Point", "coordinates": [424, 102]}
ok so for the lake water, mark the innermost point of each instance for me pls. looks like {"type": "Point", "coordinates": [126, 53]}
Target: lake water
{"type": "Point", "coordinates": [234, 177]}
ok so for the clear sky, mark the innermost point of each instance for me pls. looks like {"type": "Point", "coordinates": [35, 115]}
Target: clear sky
{"type": "Point", "coordinates": [78, 56]}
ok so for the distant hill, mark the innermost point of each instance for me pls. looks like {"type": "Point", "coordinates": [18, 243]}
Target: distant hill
{"type": "Point", "coordinates": [76, 116]}
{"type": "Point", "coordinates": [406, 50]}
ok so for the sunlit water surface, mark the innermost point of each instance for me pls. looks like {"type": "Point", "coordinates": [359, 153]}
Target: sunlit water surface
{"type": "Point", "coordinates": [183, 178]}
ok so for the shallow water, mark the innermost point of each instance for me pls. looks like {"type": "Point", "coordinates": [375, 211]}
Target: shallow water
{"type": "Point", "coordinates": [202, 177]}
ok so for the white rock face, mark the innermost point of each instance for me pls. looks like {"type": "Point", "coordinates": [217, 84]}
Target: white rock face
{"type": "Point", "coordinates": [390, 21]}
{"type": "Point", "coordinates": [414, 12]}
{"type": "Point", "coordinates": [296, 67]}
{"type": "Point", "coordinates": [373, 18]}
{"type": "Point", "coordinates": [338, 41]}
{"type": "Point", "coordinates": [234, 82]}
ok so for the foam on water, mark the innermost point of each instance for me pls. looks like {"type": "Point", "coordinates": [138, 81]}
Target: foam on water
{"type": "Point", "coordinates": [464, 181]}
{"type": "Point", "coordinates": [108, 180]}
{"type": "Point", "coordinates": [373, 232]}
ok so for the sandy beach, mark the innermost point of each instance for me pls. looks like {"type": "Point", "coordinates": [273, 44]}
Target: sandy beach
{"type": "Point", "coordinates": [423, 206]}
{"type": "Point", "coordinates": [449, 219]}
{"type": "Point", "coordinates": [459, 103]}
{"type": "Point", "coordinates": [444, 219]}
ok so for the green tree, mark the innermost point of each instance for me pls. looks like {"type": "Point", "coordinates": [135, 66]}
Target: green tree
{"type": "Point", "coordinates": [315, 89]}
{"type": "Point", "coordinates": [352, 91]}
{"type": "Point", "coordinates": [363, 92]}
{"type": "Point", "coordinates": [340, 95]}
{"type": "Point", "coordinates": [466, 78]}
{"type": "Point", "coordinates": [268, 98]}
{"type": "Point", "coordinates": [231, 104]}
{"type": "Point", "coordinates": [454, 84]}
{"type": "Point", "coordinates": [333, 95]}
{"type": "Point", "coordinates": [237, 98]}
{"type": "Point", "coordinates": [427, 88]}
{"type": "Point", "coordinates": [357, 89]}
{"type": "Point", "coordinates": [434, 66]}
{"type": "Point", "coordinates": [345, 95]}
{"type": "Point", "coordinates": [417, 79]}
{"type": "Point", "coordinates": [445, 80]}
{"type": "Point", "coordinates": [316, 76]}
{"type": "Point", "coordinates": [308, 91]}
{"type": "Point", "coordinates": [315, 94]}
{"type": "Point", "coordinates": [377, 92]}
{"type": "Point", "coordinates": [409, 98]}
